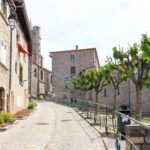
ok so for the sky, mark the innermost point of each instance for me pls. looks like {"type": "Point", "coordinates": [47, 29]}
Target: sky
{"type": "Point", "coordinates": [100, 24]}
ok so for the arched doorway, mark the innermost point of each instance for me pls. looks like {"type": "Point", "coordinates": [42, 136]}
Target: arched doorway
{"type": "Point", "coordinates": [2, 98]}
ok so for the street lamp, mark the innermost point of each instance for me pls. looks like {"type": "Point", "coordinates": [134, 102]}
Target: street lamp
{"type": "Point", "coordinates": [12, 21]}
{"type": "Point", "coordinates": [12, 24]}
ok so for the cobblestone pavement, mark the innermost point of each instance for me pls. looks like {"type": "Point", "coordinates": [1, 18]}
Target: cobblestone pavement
{"type": "Point", "coordinates": [51, 127]}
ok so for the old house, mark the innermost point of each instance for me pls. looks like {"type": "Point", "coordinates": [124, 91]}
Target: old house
{"type": "Point", "coordinates": [66, 64]}
{"type": "Point", "coordinates": [21, 49]}
{"type": "Point", "coordinates": [4, 55]}
{"type": "Point", "coordinates": [15, 46]}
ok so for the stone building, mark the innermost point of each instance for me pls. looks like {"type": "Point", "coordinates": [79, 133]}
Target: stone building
{"type": "Point", "coordinates": [21, 49]}
{"type": "Point", "coordinates": [13, 84]}
{"type": "Point", "coordinates": [126, 96]}
{"type": "Point", "coordinates": [39, 77]}
{"type": "Point", "coordinates": [4, 55]}
{"type": "Point", "coordinates": [66, 64]}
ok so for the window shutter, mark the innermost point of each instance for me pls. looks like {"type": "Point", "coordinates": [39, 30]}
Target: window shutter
{"type": "Point", "coordinates": [21, 74]}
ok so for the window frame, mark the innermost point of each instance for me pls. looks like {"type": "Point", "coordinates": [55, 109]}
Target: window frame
{"type": "Point", "coordinates": [21, 74]}
{"type": "Point", "coordinates": [41, 75]}
{"type": "Point", "coordinates": [73, 70]}
{"type": "Point", "coordinates": [72, 57]}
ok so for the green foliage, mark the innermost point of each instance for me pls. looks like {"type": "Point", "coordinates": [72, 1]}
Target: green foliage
{"type": "Point", "coordinates": [6, 117]}
{"type": "Point", "coordinates": [134, 64]}
{"type": "Point", "coordinates": [93, 79]}
{"type": "Point", "coordinates": [1, 119]}
{"type": "Point", "coordinates": [32, 104]}
{"type": "Point", "coordinates": [135, 59]}
{"type": "Point", "coordinates": [66, 85]}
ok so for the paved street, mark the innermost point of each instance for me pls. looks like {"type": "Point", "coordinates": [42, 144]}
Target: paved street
{"type": "Point", "coordinates": [51, 127]}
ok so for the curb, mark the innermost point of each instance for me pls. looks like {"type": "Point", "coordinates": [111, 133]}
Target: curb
{"type": "Point", "coordinates": [9, 126]}
{"type": "Point", "coordinates": [2, 129]}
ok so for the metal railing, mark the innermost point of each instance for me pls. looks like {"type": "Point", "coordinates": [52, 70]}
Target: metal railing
{"type": "Point", "coordinates": [104, 116]}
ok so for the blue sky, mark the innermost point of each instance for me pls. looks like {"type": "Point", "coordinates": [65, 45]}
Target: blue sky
{"type": "Point", "coordinates": [88, 23]}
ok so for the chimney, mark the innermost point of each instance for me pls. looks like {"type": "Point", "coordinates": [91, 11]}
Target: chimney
{"type": "Point", "coordinates": [77, 47]}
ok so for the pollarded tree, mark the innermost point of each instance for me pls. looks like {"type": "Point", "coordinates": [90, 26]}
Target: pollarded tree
{"type": "Point", "coordinates": [113, 76]}
{"type": "Point", "coordinates": [135, 64]}
{"type": "Point", "coordinates": [94, 79]}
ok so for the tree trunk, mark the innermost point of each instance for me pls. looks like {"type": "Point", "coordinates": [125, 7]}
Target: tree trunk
{"type": "Point", "coordinates": [138, 102]}
{"type": "Point", "coordinates": [96, 96]}
{"type": "Point", "coordinates": [115, 96]}
{"type": "Point", "coordinates": [96, 106]}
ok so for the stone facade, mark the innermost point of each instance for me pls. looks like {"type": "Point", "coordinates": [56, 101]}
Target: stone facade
{"type": "Point", "coordinates": [126, 95]}
{"type": "Point", "coordinates": [21, 42]}
{"type": "Point", "coordinates": [66, 64]}
{"type": "Point", "coordinates": [39, 84]}
{"type": "Point", "coordinates": [139, 136]}
{"type": "Point", "coordinates": [4, 55]}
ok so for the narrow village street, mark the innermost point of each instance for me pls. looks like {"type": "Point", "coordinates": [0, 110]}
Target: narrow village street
{"type": "Point", "coordinates": [51, 127]}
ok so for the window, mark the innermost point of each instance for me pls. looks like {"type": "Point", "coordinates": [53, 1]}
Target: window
{"type": "Point", "coordinates": [17, 36]}
{"type": "Point", "coordinates": [1, 4]}
{"type": "Point", "coordinates": [72, 57]}
{"type": "Point", "coordinates": [67, 78]}
{"type": "Point", "coordinates": [21, 74]}
{"type": "Point", "coordinates": [72, 70]}
{"type": "Point", "coordinates": [3, 7]}
{"type": "Point", "coordinates": [105, 92]}
{"type": "Point", "coordinates": [3, 52]}
{"type": "Point", "coordinates": [51, 79]}
{"type": "Point", "coordinates": [41, 75]}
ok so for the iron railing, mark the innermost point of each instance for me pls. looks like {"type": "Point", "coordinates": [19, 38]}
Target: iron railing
{"type": "Point", "coordinates": [104, 116]}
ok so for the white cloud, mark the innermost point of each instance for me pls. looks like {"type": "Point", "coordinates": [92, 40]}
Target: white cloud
{"type": "Point", "coordinates": [89, 23]}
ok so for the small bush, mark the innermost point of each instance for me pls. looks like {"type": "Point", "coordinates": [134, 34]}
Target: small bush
{"type": "Point", "coordinates": [1, 120]}
{"type": "Point", "coordinates": [6, 117]}
{"type": "Point", "coordinates": [32, 104]}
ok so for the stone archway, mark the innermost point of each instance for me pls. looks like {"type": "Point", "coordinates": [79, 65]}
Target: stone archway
{"type": "Point", "coordinates": [2, 98]}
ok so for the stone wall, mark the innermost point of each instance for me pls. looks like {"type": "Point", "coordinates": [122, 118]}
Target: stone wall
{"type": "Point", "coordinates": [126, 96]}
{"type": "Point", "coordinates": [4, 65]}
{"type": "Point", "coordinates": [139, 136]}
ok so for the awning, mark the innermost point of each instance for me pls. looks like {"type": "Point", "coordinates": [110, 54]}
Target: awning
{"type": "Point", "coordinates": [21, 49]}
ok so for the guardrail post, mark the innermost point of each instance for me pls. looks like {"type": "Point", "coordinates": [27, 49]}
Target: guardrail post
{"type": "Point", "coordinates": [95, 113]}
{"type": "Point", "coordinates": [118, 147]}
{"type": "Point", "coordinates": [106, 123]}
{"type": "Point", "coordinates": [87, 110]}
{"type": "Point", "coordinates": [131, 147]}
